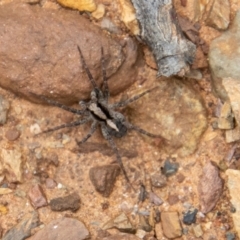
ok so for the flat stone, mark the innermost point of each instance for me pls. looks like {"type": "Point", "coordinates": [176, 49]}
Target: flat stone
{"type": "Point", "coordinates": [171, 225]}
{"type": "Point", "coordinates": [219, 14]}
{"type": "Point", "coordinates": [197, 230]}
{"type": "Point", "coordinates": [121, 222]}
{"type": "Point", "coordinates": [63, 228]}
{"type": "Point", "coordinates": [47, 61]}
{"type": "Point", "coordinates": [180, 132]}
{"type": "Point", "coordinates": [37, 196]}
{"type": "Point", "coordinates": [70, 202]}
{"type": "Point", "coordinates": [234, 188]}
{"type": "Point", "coordinates": [104, 177]}
{"type": "Point", "coordinates": [210, 187]}
{"type": "Point", "coordinates": [23, 229]}
{"type": "Point", "coordinates": [224, 56]}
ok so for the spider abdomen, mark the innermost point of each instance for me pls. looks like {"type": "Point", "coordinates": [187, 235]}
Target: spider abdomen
{"type": "Point", "coordinates": [122, 129]}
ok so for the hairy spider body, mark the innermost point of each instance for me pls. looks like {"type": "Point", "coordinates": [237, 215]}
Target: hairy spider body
{"type": "Point", "coordinates": [101, 113]}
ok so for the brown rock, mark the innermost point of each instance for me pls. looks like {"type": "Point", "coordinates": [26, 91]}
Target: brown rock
{"type": "Point", "coordinates": [210, 187]}
{"type": "Point", "coordinates": [180, 177]}
{"type": "Point", "coordinates": [63, 228]}
{"type": "Point", "coordinates": [103, 178]}
{"type": "Point", "coordinates": [173, 199]}
{"type": "Point", "coordinates": [47, 61]}
{"type": "Point", "coordinates": [171, 225]}
{"type": "Point", "coordinates": [70, 202]}
{"type": "Point", "coordinates": [37, 196]}
{"type": "Point", "coordinates": [12, 134]}
{"type": "Point", "coordinates": [23, 229]}
{"type": "Point", "coordinates": [158, 180]}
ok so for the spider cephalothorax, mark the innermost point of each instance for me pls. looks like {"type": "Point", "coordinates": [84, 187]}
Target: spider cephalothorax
{"type": "Point", "coordinates": [98, 111]}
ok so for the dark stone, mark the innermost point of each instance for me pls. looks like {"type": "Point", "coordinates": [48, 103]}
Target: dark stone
{"type": "Point", "coordinates": [70, 202]}
{"type": "Point", "coordinates": [190, 217]}
{"type": "Point", "coordinates": [104, 177]}
{"type": "Point", "coordinates": [169, 168]}
{"type": "Point", "coordinates": [230, 236]}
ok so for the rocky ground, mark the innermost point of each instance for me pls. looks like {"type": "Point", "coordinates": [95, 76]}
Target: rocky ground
{"type": "Point", "coordinates": [184, 185]}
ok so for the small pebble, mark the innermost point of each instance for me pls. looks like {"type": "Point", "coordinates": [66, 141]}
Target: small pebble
{"type": "Point", "coordinates": [50, 183]}
{"type": "Point", "coordinates": [198, 232]}
{"type": "Point", "coordinates": [70, 202]}
{"type": "Point", "coordinates": [155, 199]}
{"type": "Point", "coordinates": [35, 128]}
{"type": "Point", "coordinates": [37, 196]}
{"type": "Point", "coordinates": [143, 194]}
{"type": "Point", "coordinates": [173, 199]}
{"type": "Point", "coordinates": [104, 177]}
{"type": "Point", "coordinates": [12, 134]}
{"type": "Point", "coordinates": [169, 168]}
{"type": "Point", "coordinates": [99, 12]}
{"type": "Point", "coordinates": [107, 24]}
{"type": "Point", "coordinates": [158, 180]}
{"type": "Point", "coordinates": [230, 236]}
{"type": "Point", "coordinates": [190, 217]}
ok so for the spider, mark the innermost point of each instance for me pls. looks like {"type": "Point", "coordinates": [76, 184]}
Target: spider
{"type": "Point", "coordinates": [98, 111]}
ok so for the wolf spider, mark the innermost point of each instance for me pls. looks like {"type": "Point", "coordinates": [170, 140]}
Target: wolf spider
{"type": "Point", "coordinates": [98, 111]}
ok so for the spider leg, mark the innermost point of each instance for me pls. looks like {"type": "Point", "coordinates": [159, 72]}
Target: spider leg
{"type": "Point", "coordinates": [72, 124]}
{"type": "Point", "coordinates": [92, 130]}
{"type": "Point", "coordinates": [130, 100]}
{"type": "Point", "coordinates": [105, 83]}
{"type": "Point", "coordinates": [107, 136]}
{"type": "Point", "coordinates": [142, 131]}
{"type": "Point", "coordinates": [57, 104]}
{"type": "Point", "coordinates": [90, 77]}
